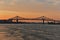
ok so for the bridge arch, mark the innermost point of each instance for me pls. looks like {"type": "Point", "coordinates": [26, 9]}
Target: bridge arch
{"type": "Point", "coordinates": [43, 18]}
{"type": "Point", "coordinates": [16, 19]}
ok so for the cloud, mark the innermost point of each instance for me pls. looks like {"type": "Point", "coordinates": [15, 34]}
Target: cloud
{"type": "Point", "coordinates": [48, 7]}
{"type": "Point", "coordinates": [18, 2]}
{"type": "Point", "coordinates": [7, 2]}
{"type": "Point", "coordinates": [1, 2]}
{"type": "Point", "coordinates": [29, 5]}
{"type": "Point", "coordinates": [52, 2]}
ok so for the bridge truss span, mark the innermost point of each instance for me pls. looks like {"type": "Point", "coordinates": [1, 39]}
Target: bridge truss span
{"type": "Point", "coordinates": [43, 18]}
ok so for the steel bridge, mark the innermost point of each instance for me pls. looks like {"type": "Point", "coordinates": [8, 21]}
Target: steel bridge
{"type": "Point", "coordinates": [42, 18]}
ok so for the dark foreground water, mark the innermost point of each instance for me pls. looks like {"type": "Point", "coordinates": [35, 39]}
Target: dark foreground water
{"type": "Point", "coordinates": [29, 32]}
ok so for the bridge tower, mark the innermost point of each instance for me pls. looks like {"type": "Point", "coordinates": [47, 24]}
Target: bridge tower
{"type": "Point", "coordinates": [43, 18]}
{"type": "Point", "coordinates": [16, 19]}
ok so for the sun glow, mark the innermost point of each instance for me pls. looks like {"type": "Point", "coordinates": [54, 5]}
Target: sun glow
{"type": "Point", "coordinates": [29, 9]}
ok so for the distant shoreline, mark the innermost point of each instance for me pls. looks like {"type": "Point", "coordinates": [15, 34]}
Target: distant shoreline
{"type": "Point", "coordinates": [31, 23]}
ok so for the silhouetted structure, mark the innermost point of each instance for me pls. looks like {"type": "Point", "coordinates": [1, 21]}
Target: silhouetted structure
{"type": "Point", "coordinates": [17, 19]}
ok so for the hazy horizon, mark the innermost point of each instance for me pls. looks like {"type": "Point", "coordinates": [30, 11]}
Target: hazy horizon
{"type": "Point", "coordinates": [30, 8]}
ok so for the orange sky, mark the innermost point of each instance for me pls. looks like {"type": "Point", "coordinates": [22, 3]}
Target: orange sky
{"type": "Point", "coordinates": [29, 8]}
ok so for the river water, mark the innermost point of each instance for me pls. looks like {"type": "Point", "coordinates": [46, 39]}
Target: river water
{"type": "Point", "coordinates": [29, 32]}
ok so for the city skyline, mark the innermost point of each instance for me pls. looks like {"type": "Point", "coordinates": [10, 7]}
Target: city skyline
{"type": "Point", "coordinates": [29, 8]}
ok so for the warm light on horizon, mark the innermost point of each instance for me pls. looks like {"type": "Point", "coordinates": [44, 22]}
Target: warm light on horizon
{"type": "Point", "coordinates": [9, 14]}
{"type": "Point", "coordinates": [29, 9]}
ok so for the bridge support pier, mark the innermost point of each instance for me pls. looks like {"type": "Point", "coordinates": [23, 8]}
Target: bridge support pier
{"type": "Point", "coordinates": [17, 20]}
{"type": "Point", "coordinates": [43, 21]}
{"type": "Point", "coordinates": [54, 21]}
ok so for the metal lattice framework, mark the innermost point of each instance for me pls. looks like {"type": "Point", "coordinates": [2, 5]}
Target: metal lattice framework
{"type": "Point", "coordinates": [43, 18]}
{"type": "Point", "coordinates": [16, 18]}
